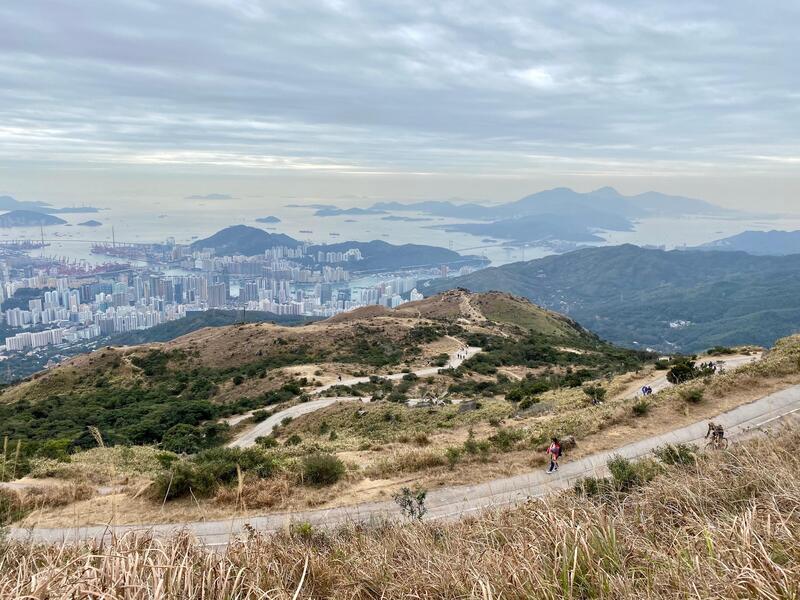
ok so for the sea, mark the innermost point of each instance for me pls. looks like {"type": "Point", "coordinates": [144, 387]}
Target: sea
{"type": "Point", "coordinates": [144, 222]}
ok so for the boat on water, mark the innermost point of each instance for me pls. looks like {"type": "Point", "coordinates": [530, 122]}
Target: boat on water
{"type": "Point", "coordinates": [306, 231]}
{"type": "Point", "coordinates": [334, 234]}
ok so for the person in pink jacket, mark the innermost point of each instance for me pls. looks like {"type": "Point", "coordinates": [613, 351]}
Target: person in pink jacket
{"type": "Point", "coordinates": [554, 450]}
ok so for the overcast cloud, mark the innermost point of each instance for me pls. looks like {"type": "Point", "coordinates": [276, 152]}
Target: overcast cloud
{"type": "Point", "coordinates": [668, 95]}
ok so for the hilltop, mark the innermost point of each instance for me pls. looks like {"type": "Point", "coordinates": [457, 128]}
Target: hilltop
{"type": "Point", "coordinates": [241, 239]}
{"type": "Point", "coordinates": [672, 301]}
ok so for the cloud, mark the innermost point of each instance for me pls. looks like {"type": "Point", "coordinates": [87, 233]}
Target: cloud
{"type": "Point", "coordinates": [350, 87]}
{"type": "Point", "coordinates": [209, 197]}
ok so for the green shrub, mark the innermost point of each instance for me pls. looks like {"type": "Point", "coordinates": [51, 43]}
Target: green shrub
{"type": "Point", "coordinates": [641, 407]}
{"type": "Point", "coordinates": [322, 469]}
{"type": "Point", "coordinates": [596, 393]}
{"type": "Point", "coordinates": [266, 441]}
{"type": "Point", "coordinates": [505, 439]}
{"type": "Point", "coordinates": [183, 478]}
{"type": "Point", "coordinates": [293, 440]}
{"type": "Point", "coordinates": [453, 456]}
{"type": "Point", "coordinates": [692, 395]}
{"type": "Point", "coordinates": [259, 416]}
{"type": "Point", "coordinates": [676, 454]}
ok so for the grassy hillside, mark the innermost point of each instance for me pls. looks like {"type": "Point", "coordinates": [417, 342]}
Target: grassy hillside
{"type": "Point", "coordinates": [168, 393]}
{"type": "Point", "coordinates": [200, 319]}
{"type": "Point", "coordinates": [631, 296]}
{"type": "Point", "coordinates": [723, 526]}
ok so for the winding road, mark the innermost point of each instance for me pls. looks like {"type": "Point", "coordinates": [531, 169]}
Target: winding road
{"type": "Point", "coordinates": [248, 437]}
{"type": "Point", "coordinates": [458, 501]}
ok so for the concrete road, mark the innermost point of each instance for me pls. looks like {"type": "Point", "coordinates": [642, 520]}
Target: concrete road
{"type": "Point", "coordinates": [660, 382]}
{"type": "Point", "coordinates": [455, 502]}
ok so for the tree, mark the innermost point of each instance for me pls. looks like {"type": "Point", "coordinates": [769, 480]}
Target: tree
{"type": "Point", "coordinates": [596, 393]}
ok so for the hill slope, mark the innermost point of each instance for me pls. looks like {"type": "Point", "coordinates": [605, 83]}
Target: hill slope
{"type": "Point", "coordinates": [196, 320]}
{"type": "Point", "coordinates": [136, 394]}
{"type": "Point", "coordinates": [667, 300]}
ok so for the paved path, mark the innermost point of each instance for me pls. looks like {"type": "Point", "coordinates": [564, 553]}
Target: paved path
{"type": "Point", "coordinates": [455, 502]}
{"type": "Point", "coordinates": [660, 382]}
{"type": "Point", "coordinates": [248, 437]}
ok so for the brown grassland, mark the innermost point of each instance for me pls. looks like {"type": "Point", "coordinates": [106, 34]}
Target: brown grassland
{"type": "Point", "coordinates": [724, 527]}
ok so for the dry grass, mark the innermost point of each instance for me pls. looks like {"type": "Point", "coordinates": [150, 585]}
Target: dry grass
{"type": "Point", "coordinates": [727, 528]}
{"type": "Point", "coordinates": [102, 465]}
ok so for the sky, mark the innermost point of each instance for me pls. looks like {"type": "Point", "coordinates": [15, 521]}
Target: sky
{"type": "Point", "coordinates": [350, 101]}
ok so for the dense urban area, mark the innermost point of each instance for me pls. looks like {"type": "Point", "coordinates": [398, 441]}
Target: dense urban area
{"type": "Point", "coordinates": [53, 308]}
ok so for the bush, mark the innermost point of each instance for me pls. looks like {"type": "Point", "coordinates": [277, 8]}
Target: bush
{"type": "Point", "coordinates": [676, 454]}
{"type": "Point", "coordinates": [625, 477]}
{"type": "Point", "coordinates": [293, 440]}
{"type": "Point", "coordinates": [266, 441]}
{"type": "Point", "coordinates": [259, 415]}
{"type": "Point", "coordinates": [641, 407]}
{"type": "Point", "coordinates": [421, 439]}
{"type": "Point", "coordinates": [505, 439]}
{"type": "Point", "coordinates": [322, 469]}
{"type": "Point", "coordinates": [686, 370]}
{"type": "Point", "coordinates": [183, 478]}
{"type": "Point", "coordinates": [411, 503]}
{"type": "Point", "coordinates": [596, 393]}
{"type": "Point", "coordinates": [692, 395]}
{"type": "Point", "coordinates": [453, 456]}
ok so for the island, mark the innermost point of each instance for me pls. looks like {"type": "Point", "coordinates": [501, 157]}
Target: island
{"type": "Point", "coordinates": [90, 223]}
{"type": "Point", "coordinates": [376, 256]}
{"type": "Point", "coordinates": [28, 218]}
{"type": "Point", "coordinates": [269, 219]}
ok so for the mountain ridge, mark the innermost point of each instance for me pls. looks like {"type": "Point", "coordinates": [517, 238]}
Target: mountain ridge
{"type": "Point", "coordinates": [672, 301]}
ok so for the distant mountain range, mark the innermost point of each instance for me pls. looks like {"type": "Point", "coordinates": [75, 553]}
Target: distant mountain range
{"type": "Point", "coordinates": [776, 243]}
{"type": "Point", "coordinates": [556, 214]}
{"type": "Point", "coordinates": [377, 255]}
{"type": "Point", "coordinates": [335, 212]}
{"type": "Point", "coordinates": [28, 218]}
{"type": "Point", "coordinates": [671, 301]}
{"type": "Point", "coordinates": [10, 203]}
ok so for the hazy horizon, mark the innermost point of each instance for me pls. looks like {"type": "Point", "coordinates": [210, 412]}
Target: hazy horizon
{"type": "Point", "coordinates": [341, 101]}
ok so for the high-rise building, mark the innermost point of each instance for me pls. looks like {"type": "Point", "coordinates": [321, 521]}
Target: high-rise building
{"type": "Point", "coordinates": [216, 295]}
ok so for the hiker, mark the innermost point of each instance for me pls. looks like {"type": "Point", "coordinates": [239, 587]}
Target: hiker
{"type": "Point", "coordinates": [554, 450]}
{"type": "Point", "coordinates": [340, 377]}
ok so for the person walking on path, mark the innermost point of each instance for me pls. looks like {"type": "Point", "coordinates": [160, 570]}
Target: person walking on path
{"type": "Point", "coordinates": [554, 450]}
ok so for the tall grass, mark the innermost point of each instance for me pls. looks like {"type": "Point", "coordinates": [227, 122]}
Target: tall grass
{"type": "Point", "coordinates": [727, 526]}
